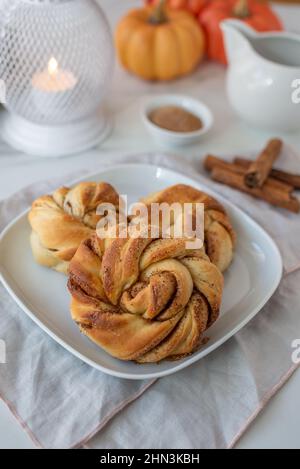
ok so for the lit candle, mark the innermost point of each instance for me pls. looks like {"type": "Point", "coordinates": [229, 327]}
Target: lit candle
{"type": "Point", "coordinates": [54, 80]}
{"type": "Point", "coordinates": [51, 86]}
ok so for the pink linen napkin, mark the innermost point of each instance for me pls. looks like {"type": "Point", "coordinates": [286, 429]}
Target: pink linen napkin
{"type": "Point", "coordinates": [212, 403]}
{"type": "Point", "coordinates": [208, 405]}
{"type": "Point", "coordinates": [60, 401]}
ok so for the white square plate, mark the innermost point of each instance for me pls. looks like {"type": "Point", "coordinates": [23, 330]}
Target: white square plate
{"type": "Point", "coordinates": [249, 283]}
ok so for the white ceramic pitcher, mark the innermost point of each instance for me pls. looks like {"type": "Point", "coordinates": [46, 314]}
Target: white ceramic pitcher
{"type": "Point", "coordinates": [263, 79]}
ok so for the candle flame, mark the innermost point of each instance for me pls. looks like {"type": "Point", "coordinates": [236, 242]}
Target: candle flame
{"type": "Point", "coordinates": [52, 66]}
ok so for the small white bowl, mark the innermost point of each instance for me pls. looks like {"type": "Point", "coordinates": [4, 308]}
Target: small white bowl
{"type": "Point", "coordinates": [168, 137]}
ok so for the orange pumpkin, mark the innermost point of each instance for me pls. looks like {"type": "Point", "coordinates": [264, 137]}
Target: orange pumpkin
{"type": "Point", "coordinates": [159, 43]}
{"type": "Point", "coordinates": [258, 15]}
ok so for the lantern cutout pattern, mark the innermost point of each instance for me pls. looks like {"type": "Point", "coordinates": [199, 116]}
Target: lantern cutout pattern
{"type": "Point", "coordinates": [56, 63]}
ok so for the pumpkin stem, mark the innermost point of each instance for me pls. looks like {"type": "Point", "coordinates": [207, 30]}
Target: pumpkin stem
{"type": "Point", "coordinates": [159, 16]}
{"type": "Point", "coordinates": [241, 9]}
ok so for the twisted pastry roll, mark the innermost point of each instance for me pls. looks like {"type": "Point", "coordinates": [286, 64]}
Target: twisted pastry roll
{"type": "Point", "coordinates": [144, 299]}
{"type": "Point", "coordinates": [219, 235]}
{"type": "Point", "coordinates": [62, 221]}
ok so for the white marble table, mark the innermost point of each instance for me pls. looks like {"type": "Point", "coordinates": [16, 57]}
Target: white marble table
{"type": "Point", "coordinates": [277, 426]}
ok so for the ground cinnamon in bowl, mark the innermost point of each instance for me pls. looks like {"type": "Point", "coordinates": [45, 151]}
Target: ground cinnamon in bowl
{"type": "Point", "coordinates": [175, 119]}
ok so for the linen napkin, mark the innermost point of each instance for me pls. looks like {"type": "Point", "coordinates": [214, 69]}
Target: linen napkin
{"type": "Point", "coordinates": [205, 406]}
{"type": "Point", "coordinates": [211, 404]}
{"type": "Point", "coordinates": [59, 400]}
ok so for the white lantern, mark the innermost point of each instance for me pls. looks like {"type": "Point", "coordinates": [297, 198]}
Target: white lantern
{"type": "Point", "coordinates": [56, 63]}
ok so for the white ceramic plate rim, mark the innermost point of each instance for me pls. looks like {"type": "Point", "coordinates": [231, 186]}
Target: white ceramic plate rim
{"type": "Point", "coordinates": [198, 355]}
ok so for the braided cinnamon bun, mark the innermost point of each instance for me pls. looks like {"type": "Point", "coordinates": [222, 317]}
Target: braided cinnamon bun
{"type": "Point", "coordinates": [144, 299]}
{"type": "Point", "coordinates": [219, 235]}
{"type": "Point", "coordinates": [60, 222]}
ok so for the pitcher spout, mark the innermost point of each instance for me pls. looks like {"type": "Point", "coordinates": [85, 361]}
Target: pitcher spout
{"type": "Point", "coordinates": [237, 39]}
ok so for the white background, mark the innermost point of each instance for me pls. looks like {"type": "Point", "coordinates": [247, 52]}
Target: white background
{"type": "Point", "coordinates": [278, 425]}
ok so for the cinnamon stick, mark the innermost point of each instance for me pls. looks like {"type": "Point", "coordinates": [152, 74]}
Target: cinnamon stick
{"type": "Point", "coordinates": [260, 169]}
{"type": "Point", "coordinates": [288, 178]}
{"type": "Point", "coordinates": [212, 161]}
{"type": "Point", "coordinates": [275, 196]}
